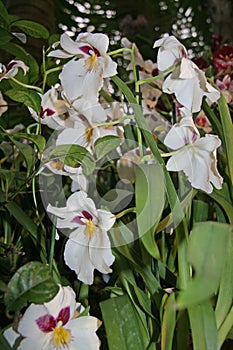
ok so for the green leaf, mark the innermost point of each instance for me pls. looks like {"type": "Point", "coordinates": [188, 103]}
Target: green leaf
{"type": "Point", "coordinates": [105, 145]}
{"type": "Point", "coordinates": [38, 140]}
{"type": "Point", "coordinates": [203, 327]}
{"type": "Point", "coordinates": [33, 29]}
{"type": "Point", "coordinates": [29, 98]}
{"type": "Point", "coordinates": [5, 37]}
{"type": "Point", "coordinates": [32, 283]}
{"type": "Point", "coordinates": [121, 324]}
{"type": "Point", "coordinates": [225, 294]}
{"type": "Point", "coordinates": [168, 323]}
{"type": "Point", "coordinates": [228, 132]}
{"type": "Point", "coordinates": [8, 176]}
{"type": "Point", "coordinates": [3, 287]}
{"type": "Point", "coordinates": [4, 345]}
{"type": "Point", "coordinates": [27, 152]}
{"type": "Point", "coordinates": [207, 248]}
{"type": "Point", "coordinates": [29, 226]}
{"type": "Point", "coordinates": [3, 15]}
{"type": "Point", "coordinates": [72, 155]}
{"type": "Point", "coordinates": [150, 198]}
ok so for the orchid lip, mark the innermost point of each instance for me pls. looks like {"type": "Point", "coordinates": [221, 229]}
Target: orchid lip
{"type": "Point", "coordinates": [90, 50]}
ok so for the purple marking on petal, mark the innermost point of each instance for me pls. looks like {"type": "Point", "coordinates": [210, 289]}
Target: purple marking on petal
{"type": "Point", "coordinates": [78, 220]}
{"type": "Point", "coordinates": [46, 111]}
{"type": "Point", "coordinates": [194, 137]}
{"type": "Point", "coordinates": [64, 315]}
{"type": "Point", "coordinates": [87, 215]}
{"type": "Point", "coordinates": [46, 323]}
{"type": "Point", "coordinates": [186, 140]}
{"type": "Point", "coordinates": [137, 152]}
{"type": "Point", "coordinates": [10, 65]}
{"type": "Point", "coordinates": [86, 49]}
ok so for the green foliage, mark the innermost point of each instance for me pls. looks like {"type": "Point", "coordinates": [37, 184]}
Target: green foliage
{"type": "Point", "coordinates": [32, 283]}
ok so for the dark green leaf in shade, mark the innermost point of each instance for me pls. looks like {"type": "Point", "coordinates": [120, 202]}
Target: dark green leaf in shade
{"type": "Point", "coordinates": [4, 345]}
{"type": "Point", "coordinates": [33, 29]}
{"type": "Point", "coordinates": [32, 283]}
{"type": "Point", "coordinates": [29, 98]}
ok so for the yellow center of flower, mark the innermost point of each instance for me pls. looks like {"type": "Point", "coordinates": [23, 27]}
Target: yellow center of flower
{"type": "Point", "coordinates": [57, 164]}
{"type": "Point", "coordinates": [61, 336]}
{"type": "Point", "coordinates": [92, 62]}
{"type": "Point", "coordinates": [90, 228]}
{"type": "Point", "coordinates": [89, 133]}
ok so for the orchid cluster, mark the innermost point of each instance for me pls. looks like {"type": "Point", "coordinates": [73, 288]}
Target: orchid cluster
{"type": "Point", "coordinates": [98, 129]}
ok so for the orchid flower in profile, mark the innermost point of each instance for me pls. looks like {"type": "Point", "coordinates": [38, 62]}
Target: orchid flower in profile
{"type": "Point", "coordinates": [88, 247]}
{"type": "Point", "coordinates": [56, 325]}
{"type": "Point", "coordinates": [189, 84]}
{"type": "Point", "coordinates": [54, 112]}
{"type": "Point", "coordinates": [84, 76]}
{"type": "Point", "coordinates": [11, 69]}
{"type": "Point", "coordinates": [170, 52]}
{"type": "Point", "coordinates": [195, 155]}
{"type": "Point", "coordinates": [79, 180]}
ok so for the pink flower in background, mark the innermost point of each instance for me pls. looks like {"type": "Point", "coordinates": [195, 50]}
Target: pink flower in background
{"type": "Point", "coordinates": [223, 60]}
{"type": "Point", "coordinates": [226, 85]}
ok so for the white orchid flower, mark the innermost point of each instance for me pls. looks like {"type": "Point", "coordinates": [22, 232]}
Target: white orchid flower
{"type": "Point", "coordinates": [171, 51]}
{"type": "Point", "coordinates": [85, 132]}
{"type": "Point", "coordinates": [189, 84]}
{"type": "Point", "coordinates": [53, 110]}
{"type": "Point", "coordinates": [55, 325]}
{"type": "Point", "coordinates": [11, 69]}
{"type": "Point", "coordinates": [84, 77]}
{"type": "Point", "coordinates": [88, 246]}
{"type": "Point", "coordinates": [196, 156]}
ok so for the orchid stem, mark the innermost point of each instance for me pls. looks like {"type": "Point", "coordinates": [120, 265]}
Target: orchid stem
{"type": "Point", "coordinates": [32, 87]}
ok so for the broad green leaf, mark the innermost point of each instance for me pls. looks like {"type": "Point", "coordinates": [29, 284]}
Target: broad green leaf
{"type": "Point", "coordinates": [168, 323]}
{"type": "Point", "coordinates": [203, 327]}
{"type": "Point", "coordinates": [73, 155]}
{"type": "Point", "coordinates": [33, 29]}
{"type": "Point", "coordinates": [207, 248]}
{"type": "Point", "coordinates": [105, 145]}
{"type": "Point", "coordinates": [150, 198]}
{"type": "Point", "coordinates": [121, 324]}
{"type": "Point", "coordinates": [29, 226]}
{"type": "Point", "coordinates": [28, 97]}
{"type": "Point", "coordinates": [38, 140]}
{"type": "Point", "coordinates": [32, 283]}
